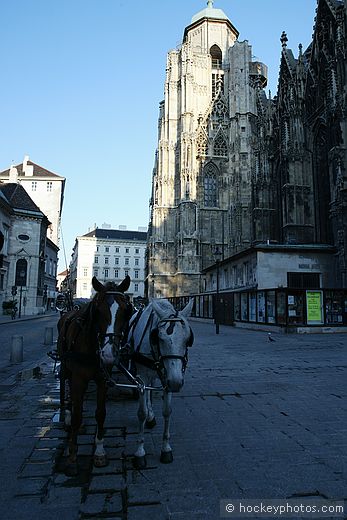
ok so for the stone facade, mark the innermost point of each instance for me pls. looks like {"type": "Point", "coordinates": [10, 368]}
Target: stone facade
{"type": "Point", "coordinates": [24, 250]}
{"type": "Point", "coordinates": [235, 168]}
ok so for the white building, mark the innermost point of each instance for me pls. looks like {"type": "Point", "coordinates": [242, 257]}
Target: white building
{"type": "Point", "coordinates": [45, 188]}
{"type": "Point", "coordinates": [108, 254]}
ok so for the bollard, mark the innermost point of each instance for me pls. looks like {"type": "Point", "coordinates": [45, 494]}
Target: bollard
{"type": "Point", "coordinates": [48, 336]}
{"type": "Point", "coordinates": [16, 349]}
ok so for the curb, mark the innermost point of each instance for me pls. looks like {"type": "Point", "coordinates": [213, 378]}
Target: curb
{"type": "Point", "coordinates": [27, 318]}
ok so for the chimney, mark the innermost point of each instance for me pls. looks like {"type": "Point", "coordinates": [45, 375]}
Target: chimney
{"type": "Point", "coordinates": [28, 169]}
{"type": "Point", "coordinates": [13, 174]}
{"type": "Point", "coordinates": [122, 228]}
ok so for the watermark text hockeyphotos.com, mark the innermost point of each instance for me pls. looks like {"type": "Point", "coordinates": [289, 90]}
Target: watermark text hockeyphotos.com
{"type": "Point", "coordinates": [291, 508]}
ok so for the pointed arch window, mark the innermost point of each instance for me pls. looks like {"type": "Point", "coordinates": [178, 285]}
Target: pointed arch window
{"type": "Point", "coordinates": [202, 144]}
{"type": "Point", "coordinates": [210, 185]}
{"type": "Point", "coordinates": [216, 55]}
{"type": "Point", "coordinates": [220, 146]}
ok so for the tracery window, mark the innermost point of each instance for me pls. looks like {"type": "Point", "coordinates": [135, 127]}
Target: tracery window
{"type": "Point", "coordinates": [202, 144]}
{"type": "Point", "coordinates": [220, 147]}
{"type": "Point", "coordinates": [210, 185]}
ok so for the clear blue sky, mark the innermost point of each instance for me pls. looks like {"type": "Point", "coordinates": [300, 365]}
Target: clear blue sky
{"type": "Point", "coordinates": [81, 81]}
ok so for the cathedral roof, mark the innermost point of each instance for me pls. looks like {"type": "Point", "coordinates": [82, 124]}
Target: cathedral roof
{"type": "Point", "coordinates": [210, 12]}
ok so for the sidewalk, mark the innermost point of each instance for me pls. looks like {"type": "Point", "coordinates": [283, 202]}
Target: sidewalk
{"type": "Point", "coordinates": [255, 420]}
{"type": "Point", "coordinates": [6, 318]}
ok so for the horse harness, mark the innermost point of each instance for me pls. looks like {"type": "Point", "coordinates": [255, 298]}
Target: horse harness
{"type": "Point", "coordinates": [80, 319]}
{"type": "Point", "coordinates": [157, 363]}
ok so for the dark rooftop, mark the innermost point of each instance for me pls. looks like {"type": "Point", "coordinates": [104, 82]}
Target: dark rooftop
{"type": "Point", "coordinates": [39, 171]}
{"type": "Point", "coordinates": [18, 198]}
{"type": "Point", "coordinates": [117, 234]}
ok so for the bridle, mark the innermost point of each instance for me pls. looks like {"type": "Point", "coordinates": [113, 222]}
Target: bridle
{"type": "Point", "coordinates": [159, 358]}
{"type": "Point", "coordinates": [111, 337]}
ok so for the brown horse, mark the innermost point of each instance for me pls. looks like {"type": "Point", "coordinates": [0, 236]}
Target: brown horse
{"type": "Point", "coordinates": [88, 344]}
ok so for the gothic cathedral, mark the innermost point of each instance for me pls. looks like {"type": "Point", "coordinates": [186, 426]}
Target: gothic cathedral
{"type": "Point", "coordinates": [234, 167]}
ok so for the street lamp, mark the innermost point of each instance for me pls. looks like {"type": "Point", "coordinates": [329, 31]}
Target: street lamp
{"type": "Point", "coordinates": [217, 256]}
{"type": "Point", "coordinates": [22, 277]}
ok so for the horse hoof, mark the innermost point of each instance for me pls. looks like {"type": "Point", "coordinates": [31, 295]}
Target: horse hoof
{"type": "Point", "coordinates": [166, 457]}
{"type": "Point", "coordinates": [71, 469]}
{"type": "Point", "coordinates": [150, 424]}
{"type": "Point", "coordinates": [139, 462]}
{"type": "Point", "coordinates": [100, 461]}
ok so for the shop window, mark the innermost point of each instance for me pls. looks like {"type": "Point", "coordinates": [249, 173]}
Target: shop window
{"type": "Point", "coordinates": [244, 306]}
{"type": "Point", "coordinates": [295, 308]}
{"type": "Point", "coordinates": [335, 307]}
{"type": "Point", "coordinates": [237, 307]}
{"type": "Point", "coordinates": [271, 306]}
{"type": "Point", "coordinates": [253, 306]}
{"type": "Point", "coordinates": [281, 308]}
{"type": "Point", "coordinates": [261, 307]}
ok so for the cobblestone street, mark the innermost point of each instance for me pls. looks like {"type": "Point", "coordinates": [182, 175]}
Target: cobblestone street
{"type": "Point", "coordinates": [255, 419]}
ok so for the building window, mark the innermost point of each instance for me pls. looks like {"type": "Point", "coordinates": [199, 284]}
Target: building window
{"type": "Point", "coordinates": [127, 250]}
{"type": "Point", "coordinates": [107, 249]}
{"type": "Point", "coordinates": [210, 185]}
{"type": "Point", "coordinates": [117, 249]}
{"type": "Point", "coordinates": [127, 261]}
{"type": "Point", "coordinates": [116, 273]}
{"type": "Point", "coordinates": [96, 260]}
{"type": "Point", "coordinates": [137, 262]}
{"type": "Point", "coordinates": [137, 251]}
{"type": "Point", "coordinates": [49, 186]}
{"type": "Point", "coordinates": [126, 272]}
{"type": "Point", "coordinates": [97, 248]}
{"type": "Point", "coordinates": [85, 287]}
{"type": "Point", "coordinates": [96, 272]}
{"type": "Point", "coordinates": [116, 261]}
{"type": "Point", "coordinates": [220, 146]}
{"type": "Point", "coordinates": [136, 287]}
{"type": "Point", "coordinates": [136, 274]}
{"type": "Point", "coordinates": [106, 273]}
{"type": "Point", "coordinates": [303, 280]}
{"type": "Point", "coordinates": [216, 55]}
{"type": "Point", "coordinates": [85, 272]}
{"type": "Point", "coordinates": [106, 260]}
{"type": "Point", "coordinates": [33, 185]}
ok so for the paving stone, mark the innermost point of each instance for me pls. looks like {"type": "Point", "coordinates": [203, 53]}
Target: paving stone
{"type": "Point", "coordinates": [64, 495]}
{"type": "Point", "coordinates": [150, 512]}
{"type": "Point", "coordinates": [106, 483]}
{"type": "Point", "coordinates": [114, 503]}
{"type": "Point", "coordinates": [94, 504]}
{"type": "Point", "coordinates": [113, 467]}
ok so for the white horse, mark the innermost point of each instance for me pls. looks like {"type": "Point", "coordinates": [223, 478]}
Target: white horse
{"type": "Point", "coordinates": [159, 337]}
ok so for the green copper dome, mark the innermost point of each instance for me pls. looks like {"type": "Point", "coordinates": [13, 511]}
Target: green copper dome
{"type": "Point", "coordinates": [210, 12]}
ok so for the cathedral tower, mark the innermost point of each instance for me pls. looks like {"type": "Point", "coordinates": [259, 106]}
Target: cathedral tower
{"type": "Point", "coordinates": [213, 123]}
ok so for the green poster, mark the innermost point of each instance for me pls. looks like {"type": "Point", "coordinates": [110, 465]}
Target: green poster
{"type": "Point", "coordinates": [314, 306]}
